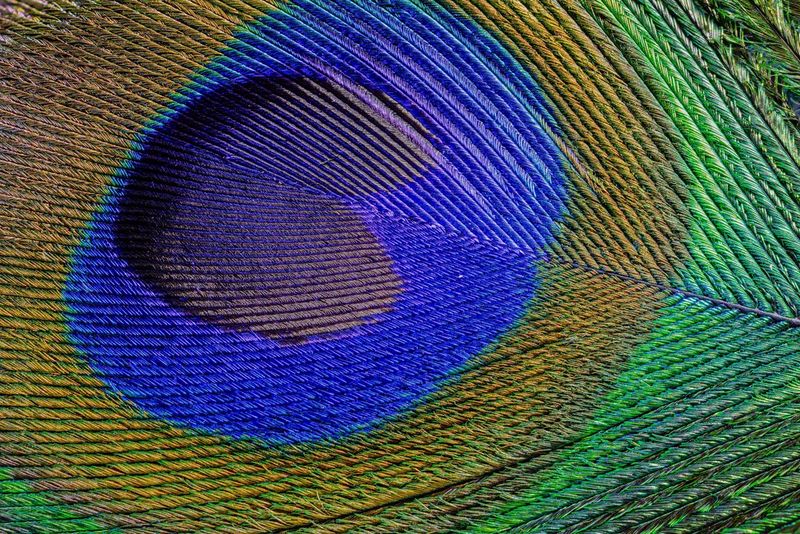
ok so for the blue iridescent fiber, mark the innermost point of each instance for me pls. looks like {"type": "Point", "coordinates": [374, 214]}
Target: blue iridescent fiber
{"type": "Point", "coordinates": [496, 178]}
{"type": "Point", "coordinates": [299, 392]}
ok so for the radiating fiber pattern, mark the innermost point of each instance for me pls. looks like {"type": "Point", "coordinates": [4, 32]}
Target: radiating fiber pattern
{"type": "Point", "coordinates": [399, 266]}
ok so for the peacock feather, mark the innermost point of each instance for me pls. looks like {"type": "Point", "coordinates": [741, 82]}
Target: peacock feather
{"type": "Point", "coordinates": [399, 265]}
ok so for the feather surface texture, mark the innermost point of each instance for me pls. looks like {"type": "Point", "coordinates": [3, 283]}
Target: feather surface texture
{"type": "Point", "coordinates": [399, 266]}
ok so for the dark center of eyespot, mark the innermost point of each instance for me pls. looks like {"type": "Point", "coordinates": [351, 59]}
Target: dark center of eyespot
{"type": "Point", "coordinates": [235, 211]}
